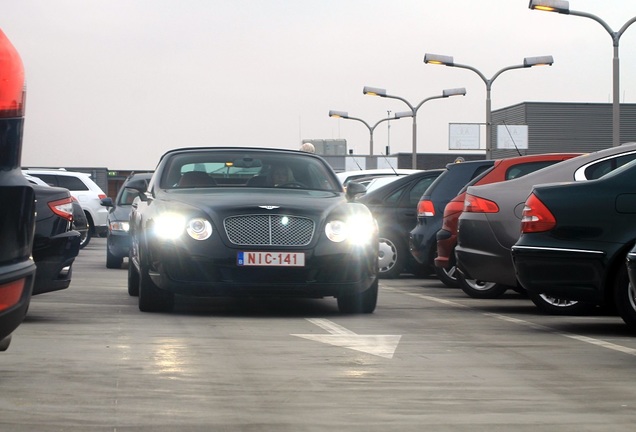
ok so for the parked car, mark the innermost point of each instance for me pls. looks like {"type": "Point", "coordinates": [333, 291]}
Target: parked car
{"type": "Point", "coordinates": [430, 209]}
{"type": "Point", "coordinates": [394, 207]}
{"type": "Point", "coordinates": [87, 192]}
{"type": "Point", "coordinates": [79, 223]}
{"type": "Point", "coordinates": [502, 170]}
{"type": "Point", "coordinates": [55, 244]}
{"type": "Point", "coordinates": [491, 223]}
{"type": "Point", "coordinates": [17, 218]}
{"type": "Point", "coordinates": [356, 175]}
{"type": "Point", "coordinates": [575, 239]}
{"type": "Point", "coordinates": [118, 240]}
{"type": "Point", "coordinates": [212, 223]}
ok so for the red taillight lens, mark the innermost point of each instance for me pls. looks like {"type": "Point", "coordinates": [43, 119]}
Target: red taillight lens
{"type": "Point", "coordinates": [11, 80]}
{"type": "Point", "coordinates": [476, 204]}
{"type": "Point", "coordinates": [63, 208]}
{"type": "Point", "coordinates": [101, 196]}
{"type": "Point", "coordinates": [10, 294]}
{"type": "Point", "coordinates": [425, 208]}
{"type": "Point", "coordinates": [536, 216]}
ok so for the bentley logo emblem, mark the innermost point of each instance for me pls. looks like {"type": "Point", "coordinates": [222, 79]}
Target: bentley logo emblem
{"type": "Point", "coordinates": [269, 207]}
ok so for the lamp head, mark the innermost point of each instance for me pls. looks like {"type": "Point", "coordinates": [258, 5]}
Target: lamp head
{"type": "Point", "coordinates": [560, 6]}
{"type": "Point", "coordinates": [454, 92]}
{"type": "Point", "coordinates": [338, 114]}
{"type": "Point", "coordinates": [439, 59]}
{"type": "Point", "coordinates": [374, 91]}
{"type": "Point", "coordinates": [402, 114]}
{"type": "Point", "coordinates": [538, 61]}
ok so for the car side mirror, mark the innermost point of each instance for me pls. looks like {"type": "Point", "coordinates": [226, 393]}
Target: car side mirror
{"type": "Point", "coordinates": [354, 189]}
{"type": "Point", "coordinates": [141, 191]}
{"type": "Point", "coordinates": [107, 202]}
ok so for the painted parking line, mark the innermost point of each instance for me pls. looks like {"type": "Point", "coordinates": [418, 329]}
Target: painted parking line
{"type": "Point", "coordinates": [580, 338]}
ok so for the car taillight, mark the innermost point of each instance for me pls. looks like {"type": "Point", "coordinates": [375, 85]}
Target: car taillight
{"type": "Point", "coordinates": [425, 208]}
{"type": "Point", "coordinates": [63, 208]}
{"type": "Point", "coordinates": [12, 95]}
{"type": "Point", "coordinates": [101, 196]}
{"type": "Point", "coordinates": [455, 206]}
{"type": "Point", "coordinates": [10, 294]}
{"type": "Point", "coordinates": [536, 216]}
{"type": "Point", "coordinates": [477, 204]}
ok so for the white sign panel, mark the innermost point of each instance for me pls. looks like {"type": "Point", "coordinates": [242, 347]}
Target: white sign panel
{"type": "Point", "coordinates": [512, 137]}
{"type": "Point", "coordinates": [463, 136]}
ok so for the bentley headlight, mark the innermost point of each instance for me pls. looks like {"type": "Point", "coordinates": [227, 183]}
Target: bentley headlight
{"type": "Point", "coordinates": [357, 229]}
{"type": "Point", "coordinates": [169, 226]}
{"type": "Point", "coordinates": [199, 229]}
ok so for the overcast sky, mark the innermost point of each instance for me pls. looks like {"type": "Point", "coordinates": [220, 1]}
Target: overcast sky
{"type": "Point", "coordinates": [116, 83]}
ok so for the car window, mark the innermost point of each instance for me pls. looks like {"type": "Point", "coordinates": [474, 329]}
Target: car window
{"type": "Point", "coordinates": [253, 169]}
{"type": "Point", "coordinates": [394, 198]}
{"type": "Point", "coordinates": [526, 168]}
{"type": "Point", "coordinates": [127, 196]}
{"type": "Point", "coordinates": [603, 167]}
{"type": "Point", "coordinates": [418, 190]}
{"type": "Point", "coordinates": [71, 183]}
{"type": "Point", "coordinates": [51, 180]}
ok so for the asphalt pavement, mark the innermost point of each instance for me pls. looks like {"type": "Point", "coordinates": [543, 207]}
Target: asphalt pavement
{"type": "Point", "coordinates": [429, 358]}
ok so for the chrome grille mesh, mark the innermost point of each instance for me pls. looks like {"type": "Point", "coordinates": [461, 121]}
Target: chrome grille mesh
{"type": "Point", "coordinates": [269, 230]}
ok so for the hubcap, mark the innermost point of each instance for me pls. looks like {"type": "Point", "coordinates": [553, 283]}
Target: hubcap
{"type": "Point", "coordinates": [558, 302]}
{"type": "Point", "coordinates": [387, 255]}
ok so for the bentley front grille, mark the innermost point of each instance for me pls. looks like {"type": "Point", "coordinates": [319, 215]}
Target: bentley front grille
{"type": "Point", "coordinates": [269, 230]}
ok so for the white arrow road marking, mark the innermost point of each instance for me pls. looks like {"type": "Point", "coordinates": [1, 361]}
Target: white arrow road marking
{"type": "Point", "coordinates": [378, 345]}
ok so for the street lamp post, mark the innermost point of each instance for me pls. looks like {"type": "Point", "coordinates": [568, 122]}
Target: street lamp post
{"type": "Point", "coordinates": [372, 91]}
{"type": "Point", "coordinates": [563, 7]}
{"type": "Point", "coordinates": [527, 62]}
{"type": "Point", "coordinates": [345, 115]}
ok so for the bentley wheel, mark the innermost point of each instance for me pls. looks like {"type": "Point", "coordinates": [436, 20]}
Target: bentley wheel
{"type": "Point", "coordinates": [364, 302]}
{"type": "Point", "coordinates": [151, 297]}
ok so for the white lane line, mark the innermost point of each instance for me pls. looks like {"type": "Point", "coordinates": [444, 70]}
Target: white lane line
{"type": "Point", "coordinates": [586, 339]}
{"type": "Point", "coordinates": [330, 326]}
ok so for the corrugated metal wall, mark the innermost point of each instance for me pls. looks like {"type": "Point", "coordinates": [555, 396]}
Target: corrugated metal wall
{"type": "Point", "coordinates": [565, 127]}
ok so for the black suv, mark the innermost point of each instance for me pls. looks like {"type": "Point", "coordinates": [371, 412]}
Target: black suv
{"type": "Point", "coordinates": [430, 209]}
{"type": "Point", "coordinates": [17, 217]}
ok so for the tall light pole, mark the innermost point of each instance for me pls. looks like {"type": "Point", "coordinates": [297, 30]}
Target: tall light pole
{"type": "Point", "coordinates": [372, 91]}
{"type": "Point", "coordinates": [527, 62]}
{"type": "Point", "coordinates": [563, 7]}
{"type": "Point", "coordinates": [345, 115]}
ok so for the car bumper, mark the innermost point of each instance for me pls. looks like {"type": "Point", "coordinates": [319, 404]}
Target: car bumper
{"type": "Point", "coordinates": [564, 273]}
{"type": "Point", "coordinates": [446, 242]}
{"type": "Point", "coordinates": [54, 261]}
{"type": "Point", "coordinates": [217, 273]}
{"type": "Point", "coordinates": [118, 243]}
{"type": "Point", "coordinates": [13, 311]}
{"type": "Point", "coordinates": [480, 256]}
{"type": "Point", "coordinates": [423, 241]}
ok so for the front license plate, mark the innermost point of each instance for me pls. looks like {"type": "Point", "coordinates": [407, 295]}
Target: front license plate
{"type": "Point", "coordinates": [271, 259]}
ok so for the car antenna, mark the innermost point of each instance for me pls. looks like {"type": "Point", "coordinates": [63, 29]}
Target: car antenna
{"type": "Point", "coordinates": [354, 159]}
{"type": "Point", "coordinates": [511, 137]}
{"type": "Point", "coordinates": [389, 164]}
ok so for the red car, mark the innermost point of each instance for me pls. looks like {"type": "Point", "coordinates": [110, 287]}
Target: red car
{"type": "Point", "coordinates": [502, 170]}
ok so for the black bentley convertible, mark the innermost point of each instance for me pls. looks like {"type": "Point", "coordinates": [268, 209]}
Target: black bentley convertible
{"type": "Point", "coordinates": [251, 222]}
